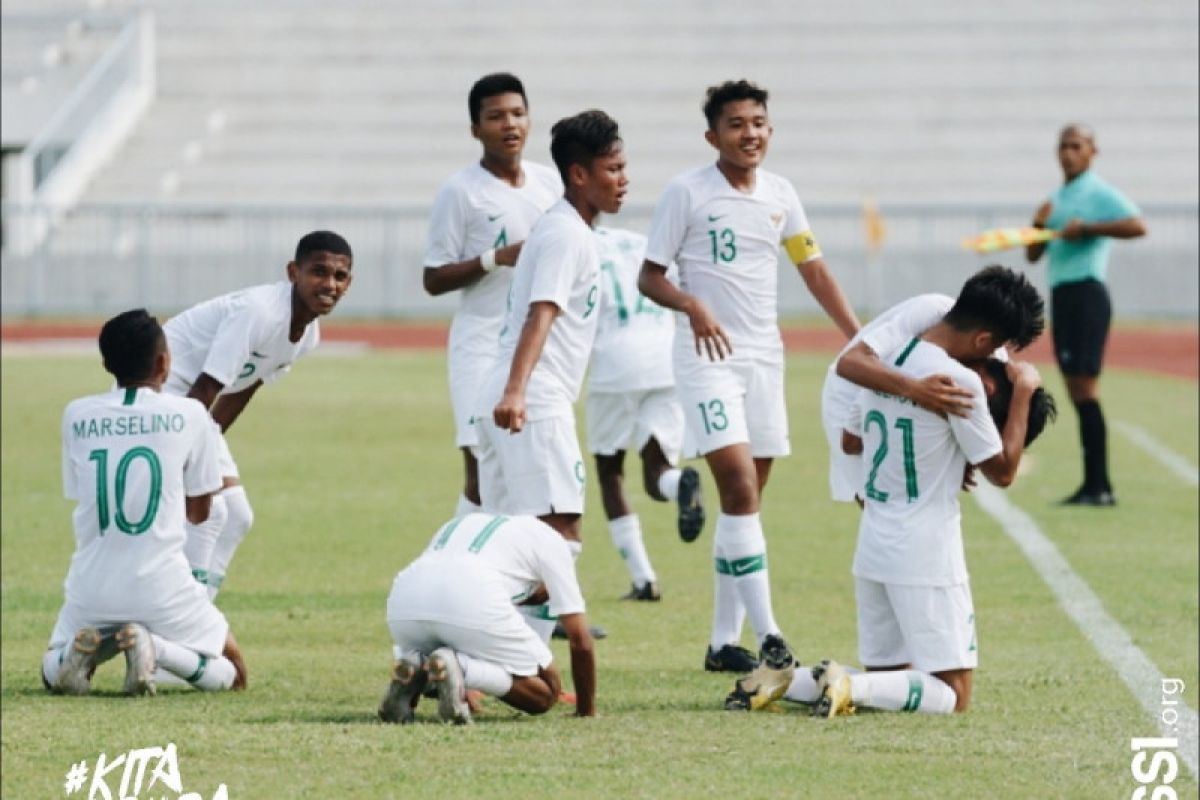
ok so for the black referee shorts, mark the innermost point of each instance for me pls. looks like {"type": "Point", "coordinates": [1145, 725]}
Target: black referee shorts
{"type": "Point", "coordinates": [1080, 314]}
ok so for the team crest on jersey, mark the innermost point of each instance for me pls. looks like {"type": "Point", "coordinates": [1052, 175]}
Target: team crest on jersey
{"type": "Point", "coordinates": [777, 219]}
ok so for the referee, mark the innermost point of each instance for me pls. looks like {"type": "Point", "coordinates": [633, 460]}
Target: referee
{"type": "Point", "coordinates": [1088, 213]}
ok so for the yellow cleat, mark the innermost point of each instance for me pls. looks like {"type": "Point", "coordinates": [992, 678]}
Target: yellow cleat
{"type": "Point", "coordinates": [762, 687]}
{"type": "Point", "coordinates": [834, 683]}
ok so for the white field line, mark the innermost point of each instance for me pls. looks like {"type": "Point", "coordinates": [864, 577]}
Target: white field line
{"type": "Point", "coordinates": [1084, 608]}
{"type": "Point", "coordinates": [1167, 457]}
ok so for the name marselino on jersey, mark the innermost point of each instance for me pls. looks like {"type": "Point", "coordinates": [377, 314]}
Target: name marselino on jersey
{"type": "Point", "coordinates": [128, 425]}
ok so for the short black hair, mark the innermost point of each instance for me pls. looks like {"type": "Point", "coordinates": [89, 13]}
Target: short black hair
{"type": "Point", "coordinates": [490, 86]}
{"type": "Point", "coordinates": [323, 241]}
{"type": "Point", "coordinates": [1002, 302]}
{"type": "Point", "coordinates": [583, 138]}
{"type": "Point", "coordinates": [717, 96]}
{"type": "Point", "coordinates": [129, 343]}
{"type": "Point", "coordinates": [1042, 408]}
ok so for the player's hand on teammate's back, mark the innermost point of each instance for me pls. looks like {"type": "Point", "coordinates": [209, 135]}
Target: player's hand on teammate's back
{"type": "Point", "coordinates": [941, 395]}
{"type": "Point", "coordinates": [510, 412]}
{"type": "Point", "coordinates": [706, 329]}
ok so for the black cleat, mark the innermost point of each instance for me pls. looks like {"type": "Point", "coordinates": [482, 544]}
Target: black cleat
{"type": "Point", "coordinates": [691, 507]}
{"type": "Point", "coordinates": [730, 658]}
{"type": "Point", "coordinates": [775, 652]}
{"type": "Point", "coordinates": [647, 592]}
{"type": "Point", "coordinates": [739, 699]}
{"type": "Point", "coordinates": [1083, 497]}
{"type": "Point", "coordinates": [596, 631]}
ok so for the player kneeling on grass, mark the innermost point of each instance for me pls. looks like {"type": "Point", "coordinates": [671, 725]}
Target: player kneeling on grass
{"type": "Point", "coordinates": [138, 462]}
{"type": "Point", "coordinates": [916, 619]}
{"type": "Point", "coordinates": [454, 622]}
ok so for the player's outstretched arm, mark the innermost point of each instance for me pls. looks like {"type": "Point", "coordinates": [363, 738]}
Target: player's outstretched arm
{"type": "Point", "coordinates": [706, 331]}
{"type": "Point", "coordinates": [583, 663]}
{"type": "Point", "coordinates": [828, 293]}
{"type": "Point", "coordinates": [509, 413]}
{"type": "Point", "coordinates": [937, 393]}
{"type": "Point", "coordinates": [229, 407]}
{"type": "Point", "coordinates": [1001, 469]}
{"type": "Point", "coordinates": [1128, 228]}
{"type": "Point", "coordinates": [449, 277]}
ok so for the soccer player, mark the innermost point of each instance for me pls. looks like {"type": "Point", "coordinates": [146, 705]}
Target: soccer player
{"type": "Point", "coordinates": [529, 457]}
{"type": "Point", "coordinates": [723, 225]}
{"type": "Point", "coordinates": [223, 350]}
{"type": "Point", "coordinates": [631, 403]}
{"type": "Point", "coordinates": [481, 216]}
{"type": "Point", "coordinates": [454, 625]}
{"type": "Point", "coordinates": [1088, 213]}
{"type": "Point", "coordinates": [136, 460]}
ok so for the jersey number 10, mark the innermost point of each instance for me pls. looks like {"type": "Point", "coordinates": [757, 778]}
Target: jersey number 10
{"type": "Point", "coordinates": [122, 473]}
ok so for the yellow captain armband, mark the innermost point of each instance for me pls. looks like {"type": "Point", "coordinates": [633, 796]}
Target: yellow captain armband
{"type": "Point", "coordinates": [802, 247]}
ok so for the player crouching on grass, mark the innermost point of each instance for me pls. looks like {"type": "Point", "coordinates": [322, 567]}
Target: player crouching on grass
{"type": "Point", "coordinates": [916, 618]}
{"type": "Point", "coordinates": [138, 462]}
{"type": "Point", "coordinates": [454, 622]}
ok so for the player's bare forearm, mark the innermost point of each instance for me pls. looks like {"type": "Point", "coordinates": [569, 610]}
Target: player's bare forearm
{"type": "Point", "coordinates": [707, 332]}
{"type": "Point", "coordinates": [196, 508]}
{"type": "Point", "coordinates": [852, 444]}
{"type": "Point", "coordinates": [937, 393]}
{"type": "Point", "coordinates": [509, 413]}
{"type": "Point", "coordinates": [1129, 228]}
{"type": "Point", "coordinates": [205, 389]}
{"type": "Point", "coordinates": [583, 663]}
{"type": "Point", "coordinates": [234, 654]}
{"type": "Point", "coordinates": [229, 407]}
{"type": "Point", "coordinates": [1034, 251]}
{"type": "Point", "coordinates": [828, 293]}
{"type": "Point", "coordinates": [1001, 469]}
{"type": "Point", "coordinates": [460, 274]}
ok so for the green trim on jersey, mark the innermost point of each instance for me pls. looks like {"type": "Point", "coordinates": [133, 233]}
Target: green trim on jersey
{"type": "Point", "coordinates": [482, 537]}
{"type": "Point", "coordinates": [543, 612]}
{"type": "Point", "coordinates": [907, 351]}
{"type": "Point", "coordinates": [130, 395]}
{"type": "Point", "coordinates": [447, 531]}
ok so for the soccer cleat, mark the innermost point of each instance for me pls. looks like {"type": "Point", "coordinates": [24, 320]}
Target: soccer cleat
{"type": "Point", "coordinates": [75, 672]}
{"type": "Point", "coordinates": [1085, 498]}
{"type": "Point", "coordinates": [730, 658]}
{"type": "Point", "coordinates": [775, 652]}
{"type": "Point", "coordinates": [141, 660]}
{"type": "Point", "coordinates": [760, 688]}
{"type": "Point", "coordinates": [691, 508]}
{"type": "Point", "coordinates": [647, 592]}
{"type": "Point", "coordinates": [834, 683]}
{"type": "Point", "coordinates": [446, 674]}
{"type": "Point", "coordinates": [408, 680]}
{"type": "Point", "coordinates": [597, 632]}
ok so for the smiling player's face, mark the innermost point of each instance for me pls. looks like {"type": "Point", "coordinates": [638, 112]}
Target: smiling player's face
{"type": "Point", "coordinates": [320, 278]}
{"type": "Point", "coordinates": [742, 134]}
{"type": "Point", "coordinates": [503, 125]}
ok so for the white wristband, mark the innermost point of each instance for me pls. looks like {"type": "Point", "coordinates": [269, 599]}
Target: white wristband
{"type": "Point", "coordinates": [487, 260]}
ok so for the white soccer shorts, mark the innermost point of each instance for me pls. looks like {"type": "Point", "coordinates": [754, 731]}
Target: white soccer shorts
{"type": "Point", "coordinates": [537, 471]}
{"type": "Point", "coordinates": [512, 645]}
{"type": "Point", "coordinates": [188, 619]}
{"type": "Point", "coordinates": [468, 371]}
{"type": "Point", "coordinates": [846, 477]}
{"type": "Point", "coordinates": [731, 402]}
{"type": "Point", "coordinates": [229, 468]}
{"type": "Point", "coordinates": [627, 420]}
{"type": "Point", "coordinates": [930, 627]}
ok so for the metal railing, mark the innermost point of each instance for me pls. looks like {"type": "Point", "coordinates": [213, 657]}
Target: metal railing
{"type": "Point", "coordinates": [101, 258]}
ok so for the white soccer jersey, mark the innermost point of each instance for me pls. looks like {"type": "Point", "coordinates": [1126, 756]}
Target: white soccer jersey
{"type": "Point", "coordinates": [558, 264]}
{"type": "Point", "coordinates": [911, 530]}
{"type": "Point", "coordinates": [632, 352]}
{"type": "Point", "coordinates": [479, 565]}
{"type": "Point", "coordinates": [727, 244]}
{"type": "Point", "coordinates": [475, 211]}
{"type": "Point", "coordinates": [237, 338]}
{"type": "Point", "coordinates": [887, 333]}
{"type": "Point", "coordinates": [130, 457]}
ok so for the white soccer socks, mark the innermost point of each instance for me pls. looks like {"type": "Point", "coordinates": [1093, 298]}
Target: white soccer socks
{"type": "Point", "coordinates": [626, 533]}
{"type": "Point", "coordinates": [202, 539]}
{"type": "Point", "coordinates": [740, 553]}
{"type": "Point", "coordinates": [206, 674]}
{"type": "Point", "coordinates": [239, 518]}
{"type": "Point", "coordinates": [485, 676]}
{"type": "Point", "coordinates": [465, 506]}
{"type": "Point", "coordinates": [902, 690]}
{"type": "Point", "coordinates": [668, 483]}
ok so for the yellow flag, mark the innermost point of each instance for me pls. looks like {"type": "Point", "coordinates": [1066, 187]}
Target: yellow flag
{"type": "Point", "coordinates": [875, 229]}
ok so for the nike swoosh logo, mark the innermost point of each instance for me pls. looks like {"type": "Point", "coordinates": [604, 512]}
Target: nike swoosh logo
{"type": "Point", "coordinates": [715, 217]}
{"type": "Point", "coordinates": [493, 219]}
{"type": "Point", "coordinates": [257, 354]}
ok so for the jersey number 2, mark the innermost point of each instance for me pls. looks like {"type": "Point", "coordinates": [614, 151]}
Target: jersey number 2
{"type": "Point", "coordinates": [122, 473]}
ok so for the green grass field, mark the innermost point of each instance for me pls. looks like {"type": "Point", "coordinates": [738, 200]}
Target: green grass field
{"type": "Point", "coordinates": [350, 469]}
